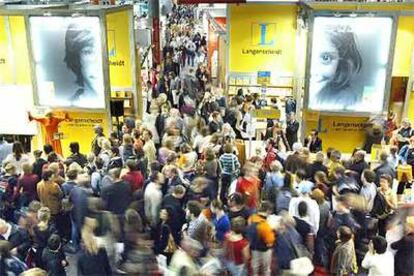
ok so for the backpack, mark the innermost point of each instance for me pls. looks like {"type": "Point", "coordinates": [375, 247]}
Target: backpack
{"type": "Point", "coordinates": [252, 234]}
{"type": "Point", "coordinates": [380, 208]}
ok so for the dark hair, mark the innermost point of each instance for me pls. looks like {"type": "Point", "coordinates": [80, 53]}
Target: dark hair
{"type": "Point", "coordinates": [74, 147]}
{"type": "Point", "coordinates": [132, 165]}
{"type": "Point", "coordinates": [345, 233]}
{"type": "Point", "coordinates": [302, 209]}
{"type": "Point", "coordinates": [287, 181]}
{"type": "Point", "coordinates": [77, 38]}
{"type": "Point", "coordinates": [53, 243]}
{"type": "Point", "coordinates": [315, 131]}
{"type": "Point", "coordinates": [194, 207]}
{"type": "Point", "coordinates": [99, 163]}
{"type": "Point", "coordinates": [52, 157]}
{"type": "Point", "coordinates": [17, 150]}
{"type": "Point", "coordinates": [46, 175]}
{"type": "Point", "coordinates": [155, 166]}
{"type": "Point", "coordinates": [383, 156]}
{"type": "Point", "coordinates": [301, 174]}
{"type": "Point", "coordinates": [380, 244]}
{"type": "Point", "coordinates": [115, 150]}
{"type": "Point", "coordinates": [350, 61]}
{"type": "Point", "coordinates": [47, 149]}
{"type": "Point", "coordinates": [236, 198]}
{"type": "Point", "coordinates": [369, 176]}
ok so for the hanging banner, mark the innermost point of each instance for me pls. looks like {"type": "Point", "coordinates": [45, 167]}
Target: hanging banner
{"type": "Point", "coordinates": [119, 50]}
{"type": "Point", "coordinates": [262, 38]}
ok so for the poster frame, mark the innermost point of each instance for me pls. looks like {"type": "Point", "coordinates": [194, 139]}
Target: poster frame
{"type": "Point", "coordinates": [345, 13]}
{"type": "Point", "coordinates": [104, 54]}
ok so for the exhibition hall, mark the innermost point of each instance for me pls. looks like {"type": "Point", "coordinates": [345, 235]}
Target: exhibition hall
{"type": "Point", "coordinates": [202, 137]}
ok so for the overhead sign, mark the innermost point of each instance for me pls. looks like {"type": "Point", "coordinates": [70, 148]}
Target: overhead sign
{"type": "Point", "coordinates": [262, 37]}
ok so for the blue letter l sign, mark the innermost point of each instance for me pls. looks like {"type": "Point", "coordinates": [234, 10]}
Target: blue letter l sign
{"type": "Point", "coordinates": [263, 31]}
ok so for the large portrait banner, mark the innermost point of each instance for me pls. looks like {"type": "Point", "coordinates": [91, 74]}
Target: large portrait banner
{"type": "Point", "coordinates": [67, 52]}
{"type": "Point", "coordinates": [349, 64]}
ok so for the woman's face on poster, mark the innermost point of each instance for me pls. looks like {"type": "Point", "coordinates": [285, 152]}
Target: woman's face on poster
{"type": "Point", "coordinates": [324, 62]}
{"type": "Point", "coordinates": [89, 60]}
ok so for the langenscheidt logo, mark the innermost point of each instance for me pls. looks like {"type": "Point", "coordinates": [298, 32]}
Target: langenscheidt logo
{"type": "Point", "coordinates": [112, 51]}
{"type": "Point", "coordinates": [263, 39]}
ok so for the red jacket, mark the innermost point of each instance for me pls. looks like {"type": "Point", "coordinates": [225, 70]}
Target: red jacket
{"type": "Point", "coordinates": [249, 187]}
{"type": "Point", "coordinates": [135, 179]}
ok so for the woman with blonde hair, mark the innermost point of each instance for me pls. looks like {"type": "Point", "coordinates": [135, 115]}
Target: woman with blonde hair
{"type": "Point", "coordinates": [127, 147]}
{"type": "Point", "coordinates": [41, 234]}
{"type": "Point", "coordinates": [93, 259]}
{"type": "Point", "coordinates": [106, 151]}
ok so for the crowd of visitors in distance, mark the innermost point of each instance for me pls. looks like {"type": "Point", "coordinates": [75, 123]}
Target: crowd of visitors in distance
{"type": "Point", "coordinates": [172, 195]}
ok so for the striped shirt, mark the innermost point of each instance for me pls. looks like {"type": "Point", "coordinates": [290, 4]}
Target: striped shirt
{"type": "Point", "coordinates": [229, 163]}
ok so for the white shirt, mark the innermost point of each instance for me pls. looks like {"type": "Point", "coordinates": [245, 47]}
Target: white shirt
{"type": "Point", "coordinates": [313, 211]}
{"type": "Point", "coordinates": [369, 191]}
{"type": "Point", "coordinates": [6, 235]}
{"type": "Point", "coordinates": [152, 201]}
{"type": "Point", "coordinates": [379, 264]}
{"type": "Point", "coordinates": [17, 164]}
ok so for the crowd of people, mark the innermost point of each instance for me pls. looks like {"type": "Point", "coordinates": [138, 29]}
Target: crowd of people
{"type": "Point", "coordinates": [171, 195]}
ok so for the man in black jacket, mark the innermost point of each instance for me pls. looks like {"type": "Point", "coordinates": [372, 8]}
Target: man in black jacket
{"type": "Point", "coordinates": [317, 166]}
{"type": "Point", "coordinates": [174, 202]}
{"type": "Point", "coordinates": [313, 142]}
{"type": "Point", "coordinates": [384, 168]}
{"type": "Point", "coordinates": [118, 195]}
{"type": "Point", "coordinates": [292, 128]}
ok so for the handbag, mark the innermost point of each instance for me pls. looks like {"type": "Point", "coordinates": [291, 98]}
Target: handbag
{"type": "Point", "coordinates": [171, 245]}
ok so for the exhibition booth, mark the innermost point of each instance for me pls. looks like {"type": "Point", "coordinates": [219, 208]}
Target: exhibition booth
{"type": "Point", "coordinates": [70, 67]}
{"type": "Point", "coordinates": [340, 66]}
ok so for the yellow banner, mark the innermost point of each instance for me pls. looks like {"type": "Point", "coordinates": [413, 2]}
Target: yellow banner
{"type": "Point", "coordinates": [80, 129]}
{"type": "Point", "coordinates": [341, 133]}
{"type": "Point", "coordinates": [14, 58]}
{"type": "Point", "coordinates": [119, 49]}
{"type": "Point", "coordinates": [262, 38]}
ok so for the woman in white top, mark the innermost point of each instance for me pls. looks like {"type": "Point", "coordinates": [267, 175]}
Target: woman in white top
{"type": "Point", "coordinates": [149, 122]}
{"type": "Point", "coordinates": [149, 146]}
{"type": "Point", "coordinates": [378, 260]}
{"type": "Point", "coordinates": [17, 157]}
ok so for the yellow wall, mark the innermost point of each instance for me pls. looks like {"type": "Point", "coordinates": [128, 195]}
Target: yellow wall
{"type": "Point", "coordinates": [342, 133]}
{"type": "Point", "coordinates": [404, 46]}
{"type": "Point", "coordinates": [119, 49]}
{"type": "Point", "coordinates": [14, 58]}
{"type": "Point", "coordinates": [245, 35]}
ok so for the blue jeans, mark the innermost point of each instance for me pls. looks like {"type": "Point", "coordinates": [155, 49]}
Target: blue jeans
{"type": "Point", "coordinates": [236, 270]}
{"type": "Point", "coordinates": [75, 234]}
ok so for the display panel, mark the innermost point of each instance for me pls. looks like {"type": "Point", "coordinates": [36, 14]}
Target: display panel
{"type": "Point", "coordinates": [348, 70]}
{"type": "Point", "coordinates": [67, 53]}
